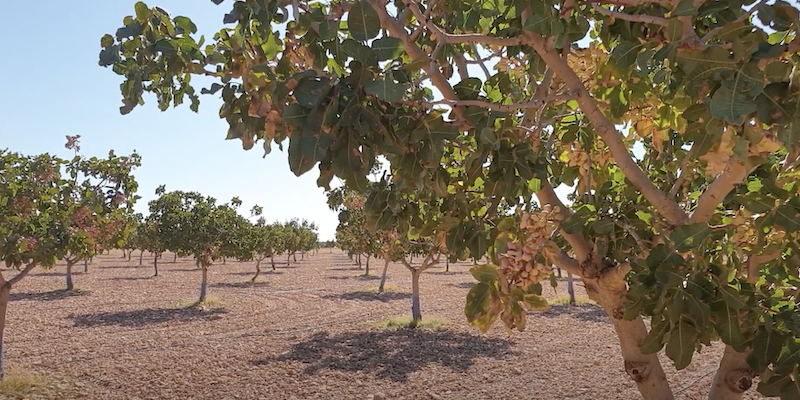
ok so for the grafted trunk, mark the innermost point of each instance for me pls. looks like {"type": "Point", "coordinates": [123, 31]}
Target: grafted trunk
{"type": "Point", "coordinates": [155, 265]}
{"type": "Point", "coordinates": [258, 270]}
{"type": "Point", "coordinates": [733, 378]}
{"type": "Point", "coordinates": [644, 369]}
{"type": "Point", "coordinates": [70, 286]}
{"type": "Point", "coordinates": [367, 271]}
{"type": "Point", "coordinates": [416, 313]}
{"type": "Point", "coordinates": [272, 260]}
{"type": "Point", "coordinates": [141, 256]}
{"type": "Point", "coordinates": [570, 289]}
{"type": "Point", "coordinates": [204, 284]}
{"type": "Point", "coordinates": [383, 276]}
{"type": "Point", "coordinates": [5, 289]}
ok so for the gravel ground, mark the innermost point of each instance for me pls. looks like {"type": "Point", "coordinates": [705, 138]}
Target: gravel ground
{"type": "Point", "coordinates": [306, 332]}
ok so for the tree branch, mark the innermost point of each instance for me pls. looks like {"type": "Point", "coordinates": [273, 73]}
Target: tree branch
{"type": "Point", "coordinates": [673, 191]}
{"type": "Point", "coordinates": [647, 19]}
{"type": "Point", "coordinates": [733, 175]}
{"type": "Point", "coordinates": [533, 104]}
{"type": "Point", "coordinates": [480, 61]}
{"type": "Point", "coordinates": [670, 209]}
{"type": "Point", "coordinates": [580, 246]}
{"type": "Point", "coordinates": [28, 268]}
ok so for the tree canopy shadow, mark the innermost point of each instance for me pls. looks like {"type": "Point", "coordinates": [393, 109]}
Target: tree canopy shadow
{"type": "Point", "coordinates": [131, 278]}
{"type": "Point", "coordinates": [240, 285]}
{"type": "Point", "coordinates": [345, 268]}
{"type": "Point", "coordinates": [451, 272]}
{"type": "Point", "coordinates": [52, 295]}
{"type": "Point", "coordinates": [583, 312]}
{"type": "Point", "coordinates": [369, 296]}
{"type": "Point", "coordinates": [148, 316]}
{"type": "Point", "coordinates": [463, 285]}
{"type": "Point", "coordinates": [391, 354]}
{"type": "Point", "coordinates": [134, 266]}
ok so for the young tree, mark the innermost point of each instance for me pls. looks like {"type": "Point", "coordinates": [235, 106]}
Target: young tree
{"type": "Point", "coordinates": [675, 121]}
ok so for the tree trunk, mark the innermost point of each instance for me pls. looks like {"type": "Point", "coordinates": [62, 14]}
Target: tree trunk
{"type": "Point", "coordinates": [4, 295]}
{"type": "Point", "coordinates": [155, 265]}
{"type": "Point", "coordinates": [359, 260]}
{"type": "Point", "coordinates": [204, 284]}
{"type": "Point", "coordinates": [367, 271]}
{"type": "Point", "coordinates": [383, 276]}
{"type": "Point", "coordinates": [85, 265]}
{"type": "Point", "coordinates": [70, 286]}
{"type": "Point", "coordinates": [644, 369]}
{"type": "Point", "coordinates": [447, 264]}
{"type": "Point", "coordinates": [559, 271]}
{"type": "Point", "coordinates": [416, 314]}
{"type": "Point", "coordinates": [129, 255]}
{"type": "Point", "coordinates": [294, 256]}
{"type": "Point", "coordinates": [303, 255]}
{"type": "Point", "coordinates": [570, 289]}
{"type": "Point", "coordinates": [223, 260]}
{"type": "Point", "coordinates": [175, 258]}
{"type": "Point", "coordinates": [124, 255]}
{"type": "Point", "coordinates": [733, 378]}
{"type": "Point", "coordinates": [288, 259]}
{"type": "Point", "coordinates": [141, 255]}
{"type": "Point", "coordinates": [258, 270]}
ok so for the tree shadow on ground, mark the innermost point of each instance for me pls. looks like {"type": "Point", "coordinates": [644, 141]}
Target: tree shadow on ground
{"type": "Point", "coordinates": [136, 265]}
{"type": "Point", "coordinates": [451, 272]}
{"type": "Point", "coordinates": [240, 285]}
{"type": "Point", "coordinates": [463, 285]}
{"type": "Point", "coordinates": [583, 312]}
{"type": "Point", "coordinates": [345, 268]}
{"type": "Point", "coordinates": [148, 316]}
{"type": "Point", "coordinates": [131, 278]}
{"type": "Point", "coordinates": [391, 354]}
{"type": "Point", "coordinates": [52, 295]}
{"type": "Point", "coordinates": [369, 296]}
{"type": "Point", "coordinates": [57, 273]}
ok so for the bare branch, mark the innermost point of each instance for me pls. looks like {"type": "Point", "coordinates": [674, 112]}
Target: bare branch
{"type": "Point", "coordinates": [733, 175]}
{"type": "Point", "coordinates": [673, 213]}
{"type": "Point", "coordinates": [647, 19]}
{"type": "Point", "coordinates": [28, 268]}
{"type": "Point", "coordinates": [567, 263]}
{"type": "Point", "coordinates": [461, 64]}
{"type": "Point", "coordinates": [480, 61]}
{"type": "Point", "coordinates": [533, 104]}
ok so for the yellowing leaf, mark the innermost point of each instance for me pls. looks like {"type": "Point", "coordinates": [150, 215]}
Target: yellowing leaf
{"type": "Point", "coordinates": [717, 158]}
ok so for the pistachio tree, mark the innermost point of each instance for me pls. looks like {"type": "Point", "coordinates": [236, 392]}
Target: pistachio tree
{"type": "Point", "coordinates": [674, 121]}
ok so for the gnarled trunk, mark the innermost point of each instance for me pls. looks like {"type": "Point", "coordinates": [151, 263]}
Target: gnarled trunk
{"type": "Point", "coordinates": [644, 369]}
{"type": "Point", "coordinates": [733, 378]}
{"type": "Point", "coordinates": [383, 276]}
{"type": "Point", "coordinates": [70, 286]}
{"type": "Point", "coordinates": [258, 270]}
{"type": "Point", "coordinates": [288, 259]}
{"type": "Point", "coordinates": [204, 284]}
{"type": "Point", "coordinates": [416, 313]}
{"type": "Point", "coordinates": [294, 256]}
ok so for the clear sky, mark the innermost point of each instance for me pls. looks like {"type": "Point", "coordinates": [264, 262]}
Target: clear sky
{"type": "Point", "coordinates": [53, 87]}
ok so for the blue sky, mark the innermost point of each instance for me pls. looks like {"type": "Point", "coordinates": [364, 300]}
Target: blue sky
{"type": "Point", "coordinates": [53, 87]}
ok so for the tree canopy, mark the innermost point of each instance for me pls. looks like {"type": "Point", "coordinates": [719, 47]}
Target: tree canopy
{"type": "Point", "coordinates": [675, 122]}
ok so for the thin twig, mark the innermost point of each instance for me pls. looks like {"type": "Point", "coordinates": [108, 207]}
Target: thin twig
{"type": "Point", "coordinates": [647, 19]}
{"type": "Point", "coordinates": [673, 191]}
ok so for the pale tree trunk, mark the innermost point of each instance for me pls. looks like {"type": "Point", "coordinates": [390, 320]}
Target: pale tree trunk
{"type": "Point", "coordinates": [644, 369]}
{"type": "Point", "coordinates": [155, 265]}
{"type": "Point", "coordinates": [204, 284]}
{"type": "Point", "coordinates": [733, 378]}
{"type": "Point", "coordinates": [272, 260]}
{"type": "Point", "coordinates": [416, 313]}
{"type": "Point", "coordinates": [383, 276]}
{"type": "Point", "coordinates": [4, 295]}
{"type": "Point", "coordinates": [570, 289]}
{"type": "Point", "coordinates": [141, 256]}
{"type": "Point", "coordinates": [258, 270]}
{"type": "Point", "coordinates": [70, 286]}
{"type": "Point", "coordinates": [367, 271]}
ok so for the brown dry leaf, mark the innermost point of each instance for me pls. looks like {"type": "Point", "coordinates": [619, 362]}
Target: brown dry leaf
{"type": "Point", "coordinates": [768, 144]}
{"type": "Point", "coordinates": [720, 154]}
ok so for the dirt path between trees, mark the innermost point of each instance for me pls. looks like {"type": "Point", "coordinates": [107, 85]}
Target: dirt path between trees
{"type": "Point", "coordinates": [306, 332]}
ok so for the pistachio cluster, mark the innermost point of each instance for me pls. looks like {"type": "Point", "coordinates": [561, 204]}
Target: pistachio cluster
{"type": "Point", "coordinates": [518, 263]}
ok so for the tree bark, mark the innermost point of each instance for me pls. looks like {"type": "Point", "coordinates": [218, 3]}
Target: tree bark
{"type": "Point", "coordinates": [155, 265]}
{"type": "Point", "coordinates": [367, 271]}
{"type": "Point", "coordinates": [383, 276]}
{"type": "Point", "coordinates": [70, 286]}
{"type": "Point", "coordinates": [416, 314]}
{"type": "Point", "coordinates": [359, 260]}
{"type": "Point", "coordinates": [5, 289]}
{"type": "Point", "coordinates": [570, 289]}
{"type": "Point", "coordinates": [258, 270]}
{"type": "Point", "coordinates": [129, 255]}
{"type": "Point", "coordinates": [644, 369]}
{"type": "Point", "coordinates": [124, 255]}
{"type": "Point", "coordinates": [85, 265]}
{"type": "Point", "coordinates": [141, 256]}
{"type": "Point", "coordinates": [204, 284]}
{"type": "Point", "coordinates": [294, 256]}
{"type": "Point", "coordinates": [272, 260]}
{"type": "Point", "coordinates": [733, 378]}
{"type": "Point", "coordinates": [447, 264]}
{"type": "Point", "coordinates": [288, 259]}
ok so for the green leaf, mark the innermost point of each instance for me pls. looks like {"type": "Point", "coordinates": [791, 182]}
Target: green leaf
{"type": "Point", "coordinates": [674, 30]}
{"type": "Point", "coordinates": [726, 322]}
{"type": "Point", "coordinates": [687, 237]}
{"type": "Point", "coordinates": [731, 297]}
{"type": "Point", "coordinates": [661, 257]}
{"type": "Point", "coordinates": [483, 305]}
{"type": "Point", "coordinates": [730, 106]}
{"type": "Point", "coordinates": [624, 54]}
{"type": "Point", "coordinates": [310, 91]}
{"type": "Point", "coordinates": [756, 202]}
{"type": "Point", "coordinates": [680, 348]}
{"type": "Point", "coordinates": [774, 386]}
{"type": "Point", "coordinates": [186, 24]}
{"type": "Point", "coordinates": [468, 89]}
{"type": "Point", "coordinates": [535, 302]}
{"type": "Point", "coordinates": [685, 7]}
{"type": "Point", "coordinates": [654, 340]}
{"type": "Point", "coordinates": [142, 12]}
{"type": "Point", "coordinates": [107, 40]}
{"type": "Point", "coordinates": [359, 52]}
{"type": "Point", "coordinates": [545, 25]}
{"type": "Point", "coordinates": [766, 347]}
{"type": "Point", "coordinates": [388, 48]}
{"type": "Point", "coordinates": [787, 217]}
{"type": "Point", "coordinates": [385, 90]}
{"type": "Point", "coordinates": [484, 273]}
{"type": "Point", "coordinates": [619, 104]}
{"type": "Point", "coordinates": [363, 22]}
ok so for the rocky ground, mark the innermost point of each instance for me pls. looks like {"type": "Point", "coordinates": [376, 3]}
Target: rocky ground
{"type": "Point", "coordinates": [309, 331]}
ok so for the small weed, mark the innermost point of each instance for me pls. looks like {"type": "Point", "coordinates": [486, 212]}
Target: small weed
{"type": "Point", "coordinates": [564, 300]}
{"type": "Point", "coordinates": [19, 382]}
{"type": "Point", "coordinates": [429, 323]}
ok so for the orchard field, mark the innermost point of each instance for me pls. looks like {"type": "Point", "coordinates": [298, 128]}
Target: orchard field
{"type": "Point", "coordinates": [309, 331]}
